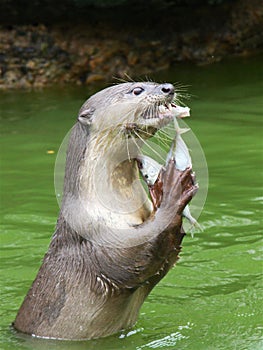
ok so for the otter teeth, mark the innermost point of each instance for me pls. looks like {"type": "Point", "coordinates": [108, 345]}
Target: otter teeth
{"type": "Point", "coordinates": [170, 111]}
{"type": "Point", "coordinates": [163, 109]}
{"type": "Point", "coordinates": [176, 111]}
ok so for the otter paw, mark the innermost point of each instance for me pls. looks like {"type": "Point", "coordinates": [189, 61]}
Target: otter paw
{"type": "Point", "coordinates": [156, 193]}
{"type": "Point", "coordinates": [178, 187]}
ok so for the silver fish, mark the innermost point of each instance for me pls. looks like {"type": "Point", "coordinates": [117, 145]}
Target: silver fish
{"type": "Point", "coordinates": [150, 169]}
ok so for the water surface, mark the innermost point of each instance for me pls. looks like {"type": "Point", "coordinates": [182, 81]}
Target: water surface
{"type": "Point", "coordinates": [212, 299]}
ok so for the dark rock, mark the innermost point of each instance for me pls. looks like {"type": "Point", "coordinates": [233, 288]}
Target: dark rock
{"type": "Point", "coordinates": [100, 50]}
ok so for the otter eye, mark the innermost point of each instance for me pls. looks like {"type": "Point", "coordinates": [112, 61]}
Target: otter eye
{"type": "Point", "coordinates": [137, 91]}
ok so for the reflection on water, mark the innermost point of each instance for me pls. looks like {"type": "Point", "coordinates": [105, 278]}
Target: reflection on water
{"type": "Point", "coordinates": [212, 298]}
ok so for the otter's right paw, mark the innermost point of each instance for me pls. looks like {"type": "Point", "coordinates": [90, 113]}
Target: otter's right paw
{"type": "Point", "coordinates": [178, 188]}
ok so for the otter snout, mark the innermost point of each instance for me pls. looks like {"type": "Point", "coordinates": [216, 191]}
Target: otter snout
{"type": "Point", "coordinates": [166, 89]}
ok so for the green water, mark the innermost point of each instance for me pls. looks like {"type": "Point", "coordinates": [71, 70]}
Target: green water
{"type": "Point", "coordinates": [212, 299]}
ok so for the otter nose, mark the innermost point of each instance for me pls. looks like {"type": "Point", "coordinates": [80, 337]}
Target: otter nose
{"type": "Point", "coordinates": [167, 89]}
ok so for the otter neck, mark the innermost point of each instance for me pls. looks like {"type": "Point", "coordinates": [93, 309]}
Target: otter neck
{"type": "Point", "coordinates": [109, 181]}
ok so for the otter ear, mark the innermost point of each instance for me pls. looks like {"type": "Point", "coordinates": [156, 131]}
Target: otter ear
{"type": "Point", "coordinates": [85, 116]}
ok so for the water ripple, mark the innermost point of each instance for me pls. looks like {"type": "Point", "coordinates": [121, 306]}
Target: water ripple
{"type": "Point", "coordinates": [229, 221]}
{"type": "Point", "coordinates": [28, 218]}
{"type": "Point", "coordinates": [167, 341]}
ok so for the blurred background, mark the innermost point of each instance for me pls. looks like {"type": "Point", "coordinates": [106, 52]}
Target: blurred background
{"type": "Point", "coordinates": [89, 41]}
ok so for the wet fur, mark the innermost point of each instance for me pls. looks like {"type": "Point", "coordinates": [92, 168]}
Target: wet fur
{"type": "Point", "coordinates": [95, 276]}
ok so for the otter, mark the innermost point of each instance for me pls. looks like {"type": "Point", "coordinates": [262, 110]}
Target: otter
{"type": "Point", "coordinates": [112, 243]}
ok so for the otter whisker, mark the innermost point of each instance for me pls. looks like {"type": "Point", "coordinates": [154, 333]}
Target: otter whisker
{"type": "Point", "coordinates": [181, 91]}
{"type": "Point", "coordinates": [163, 134]}
{"type": "Point", "coordinates": [123, 80]}
{"type": "Point", "coordinates": [147, 133]}
{"type": "Point", "coordinates": [150, 147]}
{"type": "Point", "coordinates": [160, 140]}
{"type": "Point", "coordinates": [167, 128]}
{"type": "Point", "coordinates": [127, 147]}
{"type": "Point", "coordinates": [179, 87]}
{"type": "Point", "coordinates": [160, 132]}
{"type": "Point", "coordinates": [163, 142]}
{"type": "Point", "coordinates": [153, 109]}
{"type": "Point", "coordinates": [179, 98]}
{"type": "Point", "coordinates": [136, 144]}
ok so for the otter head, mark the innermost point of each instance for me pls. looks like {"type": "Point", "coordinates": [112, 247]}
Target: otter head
{"type": "Point", "coordinates": [142, 106]}
{"type": "Point", "coordinates": [113, 125]}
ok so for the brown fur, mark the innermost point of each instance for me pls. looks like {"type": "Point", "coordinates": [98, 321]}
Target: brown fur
{"type": "Point", "coordinates": [88, 286]}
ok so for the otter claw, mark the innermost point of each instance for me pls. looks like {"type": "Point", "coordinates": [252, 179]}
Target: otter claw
{"type": "Point", "coordinates": [193, 177]}
{"type": "Point", "coordinates": [156, 193]}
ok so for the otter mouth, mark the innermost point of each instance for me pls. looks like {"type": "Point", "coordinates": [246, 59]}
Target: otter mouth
{"type": "Point", "coordinates": [155, 118]}
{"type": "Point", "coordinates": [161, 115]}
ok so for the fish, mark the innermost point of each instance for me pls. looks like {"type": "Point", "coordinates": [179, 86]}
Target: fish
{"type": "Point", "coordinates": [150, 169]}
